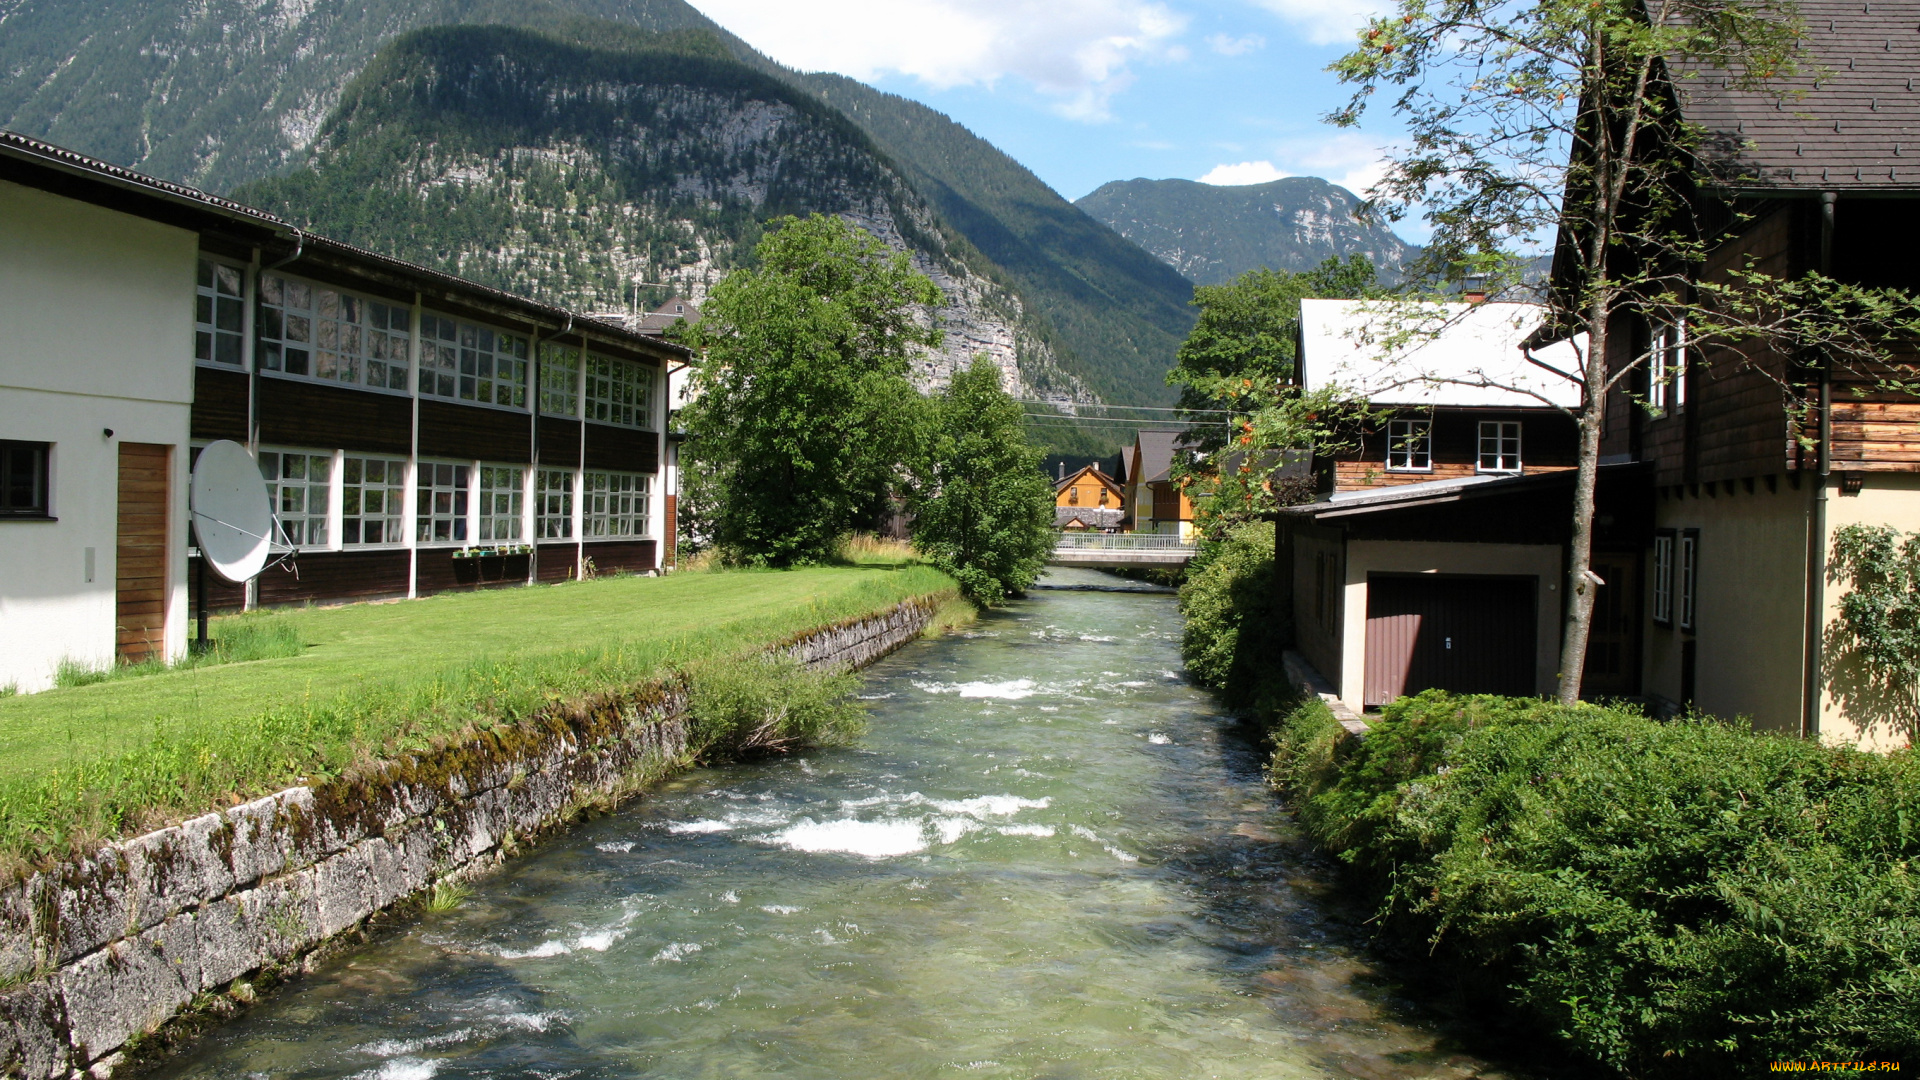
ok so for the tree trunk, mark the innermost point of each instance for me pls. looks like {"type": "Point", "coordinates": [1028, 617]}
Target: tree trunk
{"type": "Point", "coordinates": [1580, 586]}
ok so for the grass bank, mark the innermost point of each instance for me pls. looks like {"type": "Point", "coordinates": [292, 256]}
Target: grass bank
{"type": "Point", "coordinates": [83, 763]}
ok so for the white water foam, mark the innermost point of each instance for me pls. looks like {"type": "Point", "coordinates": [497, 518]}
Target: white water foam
{"type": "Point", "coordinates": [1026, 830]}
{"type": "Point", "coordinates": [991, 805]}
{"type": "Point", "coordinates": [404, 1068]}
{"type": "Point", "coordinates": [704, 825]}
{"type": "Point", "coordinates": [393, 1048]}
{"type": "Point", "coordinates": [729, 897]}
{"type": "Point", "coordinates": [1012, 690]}
{"type": "Point", "coordinates": [951, 829]}
{"type": "Point", "coordinates": [617, 847]}
{"type": "Point", "coordinates": [869, 839]}
{"type": "Point", "coordinates": [779, 909]}
{"type": "Point", "coordinates": [593, 941]}
{"type": "Point", "coordinates": [530, 1021]}
{"type": "Point", "coordinates": [676, 952]}
{"type": "Point", "coordinates": [1158, 739]}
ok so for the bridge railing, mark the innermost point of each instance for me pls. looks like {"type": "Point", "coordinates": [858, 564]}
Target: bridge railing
{"type": "Point", "coordinates": [1090, 541]}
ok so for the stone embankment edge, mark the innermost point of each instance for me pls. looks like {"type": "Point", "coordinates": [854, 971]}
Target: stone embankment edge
{"type": "Point", "coordinates": [103, 949]}
{"type": "Point", "coordinates": [1308, 680]}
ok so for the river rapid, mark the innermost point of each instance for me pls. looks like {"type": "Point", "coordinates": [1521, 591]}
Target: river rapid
{"type": "Point", "coordinates": [1051, 857]}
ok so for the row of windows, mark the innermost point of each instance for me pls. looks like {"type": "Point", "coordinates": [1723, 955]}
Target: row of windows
{"type": "Point", "coordinates": [1676, 575]}
{"type": "Point", "coordinates": [454, 503]}
{"type": "Point", "coordinates": [1410, 446]}
{"type": "Point", "coordinates": [317, 332]}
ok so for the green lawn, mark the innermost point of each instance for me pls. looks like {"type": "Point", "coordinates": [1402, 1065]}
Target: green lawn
{"type": "Point", "coordinates": [80, 762]}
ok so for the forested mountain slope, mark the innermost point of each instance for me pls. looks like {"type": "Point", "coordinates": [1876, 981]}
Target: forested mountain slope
{"type": "Point", "coordinates": [217, 93]}
{"type": "Point", "coordinates": [1213, 233]}
{"type": "Point", "coordinates": [564, 171]}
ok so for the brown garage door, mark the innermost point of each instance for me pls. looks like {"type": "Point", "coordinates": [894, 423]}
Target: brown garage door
{"type": "Point", "coordinates": [140, 559]}
{"type": "Point", "coordinates": [1471, 635]}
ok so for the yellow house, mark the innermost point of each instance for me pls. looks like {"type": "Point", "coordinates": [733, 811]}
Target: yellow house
{"type": "Point", "coordinates": [1089, 489]}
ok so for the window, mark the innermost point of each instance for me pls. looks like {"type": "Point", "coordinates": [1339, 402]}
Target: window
{"type": "Point", "coordinates": [1499, 446]}
{"type": "Point", "coordinates": [1410, 446]}
{"type": "Point", "coordinates": [501, 495]}
{"type": "Point", "coordinates": [1667, 369]}
{"type": "Point", "coordinates": [1103, 496]}
{"type": "Point", "coordinates": [1073, 495]}
{"type": "Point", "coordinates": [218, 313]}
{"type": "Point", "coordinates": [559, 381]}
{"type": "Point", "coordinates": [616, 505]}
{"type": "Point", "coordinates": [472, 363]}
{"type": "Point", "coordinates": [1663, 577]}
{"type": "Point", "coordinates": [440, 512]}
{"type": "Point", "coordinates": [325, 334]}
{"type": "Point", "coordinates": [23, 479]}
{"type": "Point", "coordinates": [553, 519]}
{"type": "Point", "coordinates": [372, 500]}
{"type": "Point", "coordinates": [619, 391]}
{"type": "Point", "coordinates": [1689, 576]}
{"type": "Point", "coordinates": [299, 486]}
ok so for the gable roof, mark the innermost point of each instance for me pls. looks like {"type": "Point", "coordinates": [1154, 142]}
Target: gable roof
{"type": "Point", "coordinates": [1850, 122]}
{"type": "Point", "coordinates": [1156, 448]}
{"type": "Point", "coordinates": [1450, 349]}
{"type": "Point", "coordinates": [1098, 474]}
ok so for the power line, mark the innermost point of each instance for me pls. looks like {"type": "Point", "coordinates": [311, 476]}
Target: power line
{"type": "Point", "coordinates": [1135, 408]}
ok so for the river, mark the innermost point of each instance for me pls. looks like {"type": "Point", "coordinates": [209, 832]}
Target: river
{"type": "Point", "coordinates": [1049, 858]}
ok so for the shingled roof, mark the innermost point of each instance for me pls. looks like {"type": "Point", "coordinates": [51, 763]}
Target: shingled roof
{"type": "Point", "coordinates": [1849, 122]}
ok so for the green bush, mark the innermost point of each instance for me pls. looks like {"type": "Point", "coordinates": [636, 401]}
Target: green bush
{"type": "Point", "coordinates": [1229, 639]}
{"type": "Point", "coordinates": [769, 705]}
{"type": "Point", "coordinates": [1668, 898]}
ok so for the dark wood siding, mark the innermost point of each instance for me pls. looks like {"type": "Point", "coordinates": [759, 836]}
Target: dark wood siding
{"type": "Point", "coordinates": [295, 413]}
{"type": "Point", "coordinates": [468, 431]}
{"type": "Point", "coordinates": [559, 442]}
{"type": "Point", "coordinates": [671, 535]}
{"type": "Point", "coordinates": [1470, 635]}
{"type": "Point", "coordinates": [140, 552]}
{"type": "Point", "coordinates": [622, 449]}
{"type": "Point", "coordinates": [441, 572]}
{"type": "Point", "coordinates": [331, 577]}
{"type": "Point", "coordinates": [222, 595]}
{"type": "Point", "coordinates": [1548, 442]}
{"type": "Point", "coordinates": [1737, 422]}
{"type": "Point", "coordinates": [219, 404]}
{"type": "Point", "coordinates": [557, 562]}
{"type": "Point", "coordinates": [1613, 645]}
{"type": "Point", "coordinates": [625, 555]}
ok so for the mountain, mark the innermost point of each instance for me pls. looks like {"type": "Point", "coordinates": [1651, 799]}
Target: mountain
{"type": "Point", "coordinates": [224, 93]}
{"type": "Point", "coordinates": [565, 171]}
{"type": "Point", "coordinates": [1213, 234]}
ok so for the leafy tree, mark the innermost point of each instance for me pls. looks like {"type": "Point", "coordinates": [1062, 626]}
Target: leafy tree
{"type": "Point", "coordinates": [983, 510]}
{"type": "Point", "coordinates": [796, 434]}
{"type": "Point", "coordinates": [1530, 118]}
{"type": "Point", "coordinates": [1237, 378]}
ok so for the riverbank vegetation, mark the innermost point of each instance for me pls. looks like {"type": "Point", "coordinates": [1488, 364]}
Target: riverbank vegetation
{"type": "Point", "coordinates": [768, 704]}
{"type": "Point", "coordinates": [87, 763]}
{"type": "Point", "coordinates": [806, 427]}
{"type": "Point", "coordinates": [1679, 898]}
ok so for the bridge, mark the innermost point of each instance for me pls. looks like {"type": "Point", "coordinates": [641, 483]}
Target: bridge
{"type": "Point", "coordinates": [1109, 550]}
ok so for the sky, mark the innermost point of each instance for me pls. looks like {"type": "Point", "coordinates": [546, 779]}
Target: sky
{"type": "Point", "coordinates": [1088, 91]}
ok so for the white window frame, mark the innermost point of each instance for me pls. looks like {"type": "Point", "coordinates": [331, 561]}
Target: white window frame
{"type": "Point", "coordinates": [1410, 441]}
{"type": "Point", "coordinates": [1503, 433]}
{"type": "Point", "coordinates": [1663, 543]}
{"type": "Point", "coordinates": [500, 491]}
{"type": "Point", "coordinates": [553, 494]}
{"type": "Point", "coordinates": [610, 499]}
{"type": "Point", "coordinates": [279, 485]}
{"type": "Point", "coordinates": [466, 367]}
{"type": "Point", "coordinates": [460, 503]}
{"type": "Point", "coordinates": [208, 329]}
{"type": "Point", "coordinates": [1667, 369]}
{"type": "Point", "coordinates": [393, 496]}
{"type": "Point", "coordinates": [559, 398]}
{"type": "Point", "coordinates": [1689, 574]}
{"type": "Point", "coordinates": [619, 392]}
{"type": "Point", "coordinates": [368, 334]}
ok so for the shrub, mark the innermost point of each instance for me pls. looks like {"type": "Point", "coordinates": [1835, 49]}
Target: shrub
{"type": "Point", "coordinates": [769, 705]}
{"type": "Point", "coordinates": [1229, 640]}
{"type": "Point", "coordinates": [1678, 898]}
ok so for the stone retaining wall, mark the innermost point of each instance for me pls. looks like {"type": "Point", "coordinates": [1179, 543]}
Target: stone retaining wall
{"type": "Point", "coordinates": [104, 949]}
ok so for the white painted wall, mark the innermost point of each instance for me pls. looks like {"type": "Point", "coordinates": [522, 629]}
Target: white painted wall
{"type": "Point", "coordinates": [96, 332]}
{"type": "Point", "coordinates": [1541, 561]}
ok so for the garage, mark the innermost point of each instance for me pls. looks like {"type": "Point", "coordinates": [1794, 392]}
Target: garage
{"type": "Point", "coordinates": [1466, 634]}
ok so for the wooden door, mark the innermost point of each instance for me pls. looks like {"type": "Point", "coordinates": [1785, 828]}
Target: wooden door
{"type": "Point", "coordinates": [1470, 635]}
{"type": "Point", "coordinates": [1613, 640]}
{"type": "Point", "coordinates": [140, 560]}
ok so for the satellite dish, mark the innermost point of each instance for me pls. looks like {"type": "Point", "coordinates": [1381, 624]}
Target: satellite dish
{"type": "Point", "coordinates": [232, 514]}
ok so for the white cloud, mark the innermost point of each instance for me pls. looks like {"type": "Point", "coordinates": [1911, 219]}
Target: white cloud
{"type": "Point", "coordinates": [1349, 159]}
{"type": "Point", "coordinates": [1246, 172]}
{"type": "Point", "coordinates": [1075, 52]}
{"type": "Point", "coordinates": [1327, 22]}
{"type": "Point", "coordinates": [1236, 46]}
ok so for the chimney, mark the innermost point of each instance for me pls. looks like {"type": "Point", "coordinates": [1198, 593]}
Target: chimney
{"type": "Point", "coordinates": [1063, 473]}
